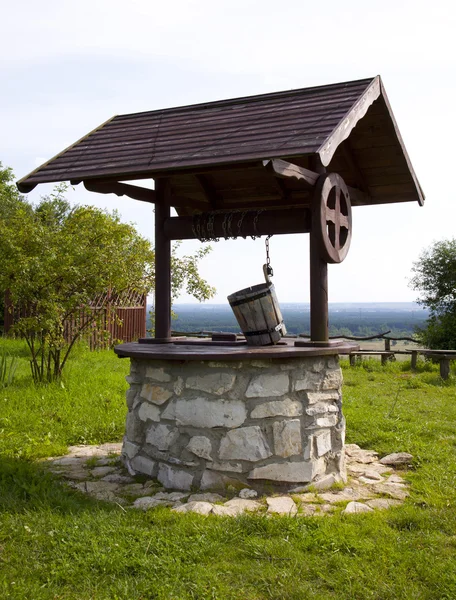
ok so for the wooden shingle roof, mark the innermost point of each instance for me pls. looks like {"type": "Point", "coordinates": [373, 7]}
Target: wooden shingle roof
{"type": "Point", "coordinates": [326, 122]}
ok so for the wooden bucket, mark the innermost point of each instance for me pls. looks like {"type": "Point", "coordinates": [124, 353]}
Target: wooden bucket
{"type": "Point", "coordinates": [258, 313]}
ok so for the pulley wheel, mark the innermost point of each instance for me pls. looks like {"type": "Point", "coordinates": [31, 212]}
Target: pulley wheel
{"type": "Point", "coordinates": [332, 217]}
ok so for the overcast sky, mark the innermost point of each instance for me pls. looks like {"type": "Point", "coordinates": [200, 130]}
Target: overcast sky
{"type": "Point", "coordinates": [67, 66]}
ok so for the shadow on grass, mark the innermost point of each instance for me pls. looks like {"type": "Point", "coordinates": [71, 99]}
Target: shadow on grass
{"type": "Point", "coordinates": [28, 486]}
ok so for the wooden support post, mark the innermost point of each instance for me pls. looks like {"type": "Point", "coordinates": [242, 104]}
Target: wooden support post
{"type": "Point", "coordinates": [319, 328]}
{"type": "Point", "coordinates": [352, 360]}
{"type": "Point", "coordinates": [444, 367]}
{"type": "Point", "coordinates": [384, 358]}
{"type": "Point", "coordinates": [162, 264]}
{"type": "Point", "coordinates": [387, 345]}
{"type": "Point", "coordinates": [414, 360]}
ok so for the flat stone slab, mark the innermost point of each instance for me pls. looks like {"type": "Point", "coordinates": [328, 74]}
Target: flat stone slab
{"type": "Point", "coordinates": [206, 497]}
{"type": "Point", "coordinates": [201, 508]}
{"type": "Point", "coordinates": [281, 505]}
{"type": "Point", "coordinates": [356, 507]}
{"type": "Point", "coordinates": [372, 486]}
{"type": "Point", "coordinates": [397, 458]}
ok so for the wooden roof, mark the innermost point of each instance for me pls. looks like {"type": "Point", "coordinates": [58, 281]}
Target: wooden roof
{"type": "Point", "coordinates": [213, 153]}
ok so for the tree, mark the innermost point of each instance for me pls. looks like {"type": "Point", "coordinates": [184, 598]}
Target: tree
{"type": "Point", "coordinates": [435, 277]}
{"type": "Point", "coordinates": [10, 200]}
{"type": "Point", "coordinates": [56, 259]}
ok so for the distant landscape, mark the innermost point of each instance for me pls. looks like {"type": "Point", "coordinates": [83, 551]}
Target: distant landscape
{"type": "Point", "coordinates": [357, 319]}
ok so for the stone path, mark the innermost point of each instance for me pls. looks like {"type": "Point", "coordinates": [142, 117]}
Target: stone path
{"type": "Point", "coordinates": [373, 484]}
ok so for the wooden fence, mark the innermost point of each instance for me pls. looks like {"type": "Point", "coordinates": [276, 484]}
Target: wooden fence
{"type": "Point", "coordinates": [121, 318]}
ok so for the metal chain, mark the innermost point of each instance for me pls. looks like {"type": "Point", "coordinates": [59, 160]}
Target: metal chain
{"type": "Point", "coordinates": [243, 213]}
{"type": "Point", "coordinates": [224, 222]}
{"type": "Point", "coordinates": [268, 260]}
{"type": "Point", "coordinates": [210, 228]}
{"type": "Point", "coordinates": [228, 226]}
{"type": "Point", "coordinates": [203, 226]}
{"type": "Point", "coordinates": [255, 223]}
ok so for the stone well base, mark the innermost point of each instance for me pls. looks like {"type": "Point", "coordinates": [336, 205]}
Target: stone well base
{"type": "Point", "coordinates": [266, 424]}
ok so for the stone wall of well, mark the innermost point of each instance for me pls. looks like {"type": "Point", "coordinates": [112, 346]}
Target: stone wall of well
{"type": "Point", "coordinates": [265, 424]}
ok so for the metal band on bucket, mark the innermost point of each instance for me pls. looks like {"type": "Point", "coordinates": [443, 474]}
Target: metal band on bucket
{"type": "Point", "coordinates": [251, 298]}
{"type": "Point", "coordinates": [263, 331]}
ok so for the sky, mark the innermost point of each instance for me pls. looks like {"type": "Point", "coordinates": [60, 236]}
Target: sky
{"type": "Point", "coordinates": [67, 66]}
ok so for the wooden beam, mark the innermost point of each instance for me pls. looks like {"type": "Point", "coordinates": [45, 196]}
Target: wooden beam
{"type": "Point", "coordinates": [121, 189]}
{"type": "Point", "coordinates": [162, 263]}
{"type": "Point", "coordinates": [285, 169]}
{"type": "Point", "coordinates": [241, 223]}
{"type": "Point", "coordinates": [208, 190]}
{"type": "Point", "coordinates": [139, 193]}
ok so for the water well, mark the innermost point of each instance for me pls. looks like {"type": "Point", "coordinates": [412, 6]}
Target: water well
{"type": "Point", "coordinates": [212, 413]}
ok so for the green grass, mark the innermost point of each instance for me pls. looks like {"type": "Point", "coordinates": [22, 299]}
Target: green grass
{"type": "Point", "coordinates": [56, 543]}
{"type": "Point", "coordinates": [87, 407]}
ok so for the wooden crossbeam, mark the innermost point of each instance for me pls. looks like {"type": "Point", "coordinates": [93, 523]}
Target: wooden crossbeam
{"type": "Point", "coordinates": [239, 224]}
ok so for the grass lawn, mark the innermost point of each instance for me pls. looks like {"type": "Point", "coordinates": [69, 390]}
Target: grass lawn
{"type": "Point", "coordinates": [58, 544]}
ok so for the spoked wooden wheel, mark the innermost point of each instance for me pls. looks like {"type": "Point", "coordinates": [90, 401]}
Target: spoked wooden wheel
{"type": "Point", "coordinates": [332, 217]}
